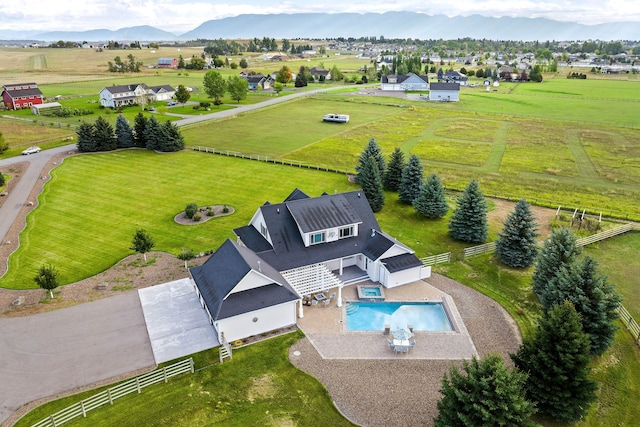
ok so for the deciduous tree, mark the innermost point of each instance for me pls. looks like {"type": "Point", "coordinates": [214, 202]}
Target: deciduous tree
{"type": "Point", "coordinates": [558, 250]}
{"type": "Point", "coordinates": [432, 202]}
{"type": "Point", "coordinates": [469, 220]}
{"type": "Point", "coordinates": [142, 242]}
{"type": "Point", "coordinates": [214, 86]}
{"type": "Point", "coordinates": [556, 360]}
{"type": "Point", "coordinates": [516, 245]}
{"type": "Point", "coordinates": [47, 278]}
{"type": "Point", "coordinates": [284, 75]}
{"type": "Point", "coordinates": [186, 255]}
{"type": "Point", "coordinates": [393, 172]}
{"type": "Point", "coordinates": [182, 94]}
{"type": "Point", "coordinates": [486, 394]}
{"type": "Point", "coordinates": [411, 180]}
{"type": "Point", "coordinates": [238, 88]}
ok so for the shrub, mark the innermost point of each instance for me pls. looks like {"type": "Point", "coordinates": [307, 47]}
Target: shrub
{"type": "Point", "coordinates": [196, 217]}
{"type": "Point", "coordinates": [210, 212]}
{"type": "Point", "coordinates": [225, 209]}
{"type": "Point", "coordinates": [191, 210]}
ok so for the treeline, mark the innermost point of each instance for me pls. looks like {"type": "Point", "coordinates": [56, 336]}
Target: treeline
{"type": "Point", "coordinates": [146, 133]}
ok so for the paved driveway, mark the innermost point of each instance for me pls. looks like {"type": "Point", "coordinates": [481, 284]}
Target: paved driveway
{"type": "Point", "coordinates": [48, 353]}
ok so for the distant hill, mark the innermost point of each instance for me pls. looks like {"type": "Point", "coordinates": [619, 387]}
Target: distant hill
{"type": "Point", "coordinates": [325, 25]}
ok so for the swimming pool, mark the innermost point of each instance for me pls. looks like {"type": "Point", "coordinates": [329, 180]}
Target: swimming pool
{"type": "Point", "coordinates": [372, 316]}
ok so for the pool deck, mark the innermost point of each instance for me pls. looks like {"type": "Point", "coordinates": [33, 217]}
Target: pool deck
{"type": "Point", "coordinates": [325, 328]}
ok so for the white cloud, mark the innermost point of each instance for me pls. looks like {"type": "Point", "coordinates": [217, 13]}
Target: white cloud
{"type": "Point", "coordinates": [183, 15]}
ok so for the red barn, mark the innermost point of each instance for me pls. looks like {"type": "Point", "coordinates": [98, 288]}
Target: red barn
{"type": "Point", "coordinates": [167, 63]}
{"type": "Point", "coordinates": [21, 95]}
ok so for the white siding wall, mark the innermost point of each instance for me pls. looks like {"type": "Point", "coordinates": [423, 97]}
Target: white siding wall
{"type": "Point", "coordinates": [253, 279]}
{"type": "Point", "coordinates": [444, 95]}
{"type": "Point", "coordinates": [268, 319]}
{"type": "Point", "coordinates": [403, 277]}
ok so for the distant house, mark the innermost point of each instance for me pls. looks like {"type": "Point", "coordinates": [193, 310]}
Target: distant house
{"type": "Point", "coordinates": [455, 77]}
{"type": "Point", "coordinates": [258, 81]}
{"type": "Point", "coordinates": [318, 72]}
{"type": "Point", "coordinates": [444, 92]}
{"type": "Point", "coordinates": [295, 248]}
{"type": "Point", "coordinates": [398, 82]}
{"type": "Point", "coordinates": [21, 95]}
{"type": "Point", "coordinates": [123, 95]}
{"type": "Point", "coordinates": [167, 63]}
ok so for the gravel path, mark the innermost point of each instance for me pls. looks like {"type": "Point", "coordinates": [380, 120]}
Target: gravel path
{"type": "Point", "coordinates": [405, 392]}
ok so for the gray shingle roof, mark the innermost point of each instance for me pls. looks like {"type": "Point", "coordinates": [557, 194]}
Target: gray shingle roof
{"type": "Point", "coordinates": [217, 277]}
{"type": "Point", "coordinates": [401, 262]}
{"type": "Point", "coordinates": [322, 213]}
{"type": "Point", "coordinates": [124, 88]}
{"type": "Point", "coordinates": [444, 86]}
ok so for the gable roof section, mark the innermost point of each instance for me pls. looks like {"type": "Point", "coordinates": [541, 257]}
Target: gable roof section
{"type": "Point", "coordinates": [296, 194]}
{"type": "Point", "coordinates": [322, 213]}
{"type": "Point", "coordinates": [165, 61]}
{"type": "Point", "coordinates": [401, 262]}
{"type": "Point", "coordinates": [288, 249]}
{"type": "Point", "coordinates": [16, 93]}
{"type": "Point", "coordinates": [220, 274]}
{"type": "Point", "coordinates": [124, 88]}
{"type": "Point", "coordinates": [162, 88]}
{"type": "Point", "coordinates": [401, 78]}
{"type": "Point", "coordinates": [252, 238]}
{"type": "Point", "coordinates": [445, 86]}
{"type": "Point", "coordinates": [376, 246]}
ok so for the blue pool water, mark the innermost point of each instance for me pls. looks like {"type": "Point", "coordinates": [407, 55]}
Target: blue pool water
{"type": "Point", "coordinates": [370, 291]}
{"type": "Point", "coordinates": [372, 316]}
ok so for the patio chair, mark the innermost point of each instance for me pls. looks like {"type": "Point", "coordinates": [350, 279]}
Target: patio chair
{"type": "Point", "coordinates": [412, 343]}
{"type": "Point", "coordinates": [314, 302]}
{"type": "Point", "coordinates": [326, 302]}
{"type": "Point", "coordinates": [332, 296]}
{"type": "Point", "coordinates": [390, 344]}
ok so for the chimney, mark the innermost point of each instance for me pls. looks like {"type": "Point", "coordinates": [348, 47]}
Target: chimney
{"type": "Point", "coordinates": [373, 232]}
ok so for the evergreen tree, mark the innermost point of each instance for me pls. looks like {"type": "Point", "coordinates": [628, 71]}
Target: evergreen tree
{"type": "Point", "coordinates": [393, 172]}
{"type": "Point", "coordinates": [593, 298]}
{"type": "Point", "coordinates": [372, 149]}
{"type": "Point", "coordinates": [516, 245]}
{"type": "Point", "coordinates": [431, 202]}
{"type": "Point", "coordinates": [488, 395]}
{"type": "Point", "coordinates": [103, 135]}
{"type": "Point", "coordinates": [372, 184]}
{"type": "Point", "coordinates": [139, 131]}
{"type": "Point", "coordinates": [124, 133]}
{"type": "Point", "coordinates": [171, 139]}
{"type": "Point", "coordinates": [556, 360]}
{"type": "Point", "coordinates": [411, 180]}
{"type": "Point", "coordinates": [86, 141]}
{"type": "Point", "coordinates": [559, 250]}
{"type": "Point", "coordinates": [469, 220]}
{"type": "Point", "coordinates": [153, 134]}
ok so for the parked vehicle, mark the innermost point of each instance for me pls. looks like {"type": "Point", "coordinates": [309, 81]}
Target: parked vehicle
{"type": "Point", "coordinates": [172, 103]}
{"type": "Point", "coordinates": [336, 118]}
{"type": "Point", "coordinates": [31, 150]}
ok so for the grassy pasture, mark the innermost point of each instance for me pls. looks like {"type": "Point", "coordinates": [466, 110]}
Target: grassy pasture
{"type": "Point", "coordinates": [20, 136]}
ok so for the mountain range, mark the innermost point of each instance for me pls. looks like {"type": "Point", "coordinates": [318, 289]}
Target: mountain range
{"type": "Point", "coordinates": [325, 25]}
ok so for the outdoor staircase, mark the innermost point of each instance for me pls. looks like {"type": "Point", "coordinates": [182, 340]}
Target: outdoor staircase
{"type": "Point", "coordinates": [350, 308]}
{"type": "Point", "coordinates": [225, 350]}
{"type": "Point", "coordinates": [358, 279]}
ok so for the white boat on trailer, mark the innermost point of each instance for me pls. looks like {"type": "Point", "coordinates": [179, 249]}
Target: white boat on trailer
{"type": "Point", "coordinates": [337, 118]}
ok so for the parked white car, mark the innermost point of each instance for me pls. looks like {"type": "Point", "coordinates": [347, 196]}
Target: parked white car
{"type": "Point", "coordinates": [31, 150]}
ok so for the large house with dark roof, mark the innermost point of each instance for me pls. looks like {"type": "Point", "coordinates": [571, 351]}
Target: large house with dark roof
{"type": "Point", "coordinates": [295, 248]}
{"type": "Point", "coordinates": [403, 82]}
{"type": "Point", "coordinates": [123, 95]}
{"type": "Point", "coordinates": [21, 95]}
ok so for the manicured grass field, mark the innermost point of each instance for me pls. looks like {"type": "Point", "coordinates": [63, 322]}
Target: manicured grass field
{"type": "Point", "coordinates": [91, 208]}
{"type": "Point", "coordinates": [22, 135]}
{"type": "Point", "coordinates": [259, 387]}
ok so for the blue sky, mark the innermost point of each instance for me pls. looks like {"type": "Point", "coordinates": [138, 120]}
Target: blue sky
{"type": "Point", "coordinates": [183, 15]}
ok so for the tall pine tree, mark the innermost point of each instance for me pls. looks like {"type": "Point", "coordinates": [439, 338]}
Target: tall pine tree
{"type": "Point", "coordinates": [557, 360]}
{"type": "Point", "coordinates": [86, 141]}
{"type": "Point", "coordinates": [488, 395]}
{"type": "Point", "coordinates": [516, 245]}
{"type": "Point", "coordinates": [172, 139]}
{"type": "Point", "coordinates": [559, 250]}
{"type": "Point", "coordinates": [372, 149]}
{"type": "Point", "coordinates": [139, 131]}
{"type": "Point", "coordinates": [393, 173]}
{"type": "Point", "coordinates": [469, 220]}
{"type": "Point", "coordinates": [124, 133]}
{"type": "Point", "coordinates": [594, 299]}
{"type": "Point", "coordinates": [103, 135]}
{"type": "Point", "coordinates": [411, 180]}
{"type": "Point", "coordinates": [153, 134]}
{"type": "Point", "coordinates": [432, 202]}
{"type": "Point", "coordinates": [372, 184]}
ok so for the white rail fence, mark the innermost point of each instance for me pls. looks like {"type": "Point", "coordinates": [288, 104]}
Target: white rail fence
{"type": "Point", "coordinates": [108, 396]}
{"type": "Point", "coordinates": [477, 250]}
{"type": "Point", "coordinates": [604, 235]}
{"type": "Point", "coordinates": [436, 259]}
{"type": "Point", "coordinates": [268, 159]}
{"type": "Point", "coordinates": [630, 323]}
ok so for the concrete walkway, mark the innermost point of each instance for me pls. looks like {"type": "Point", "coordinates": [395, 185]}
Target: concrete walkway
{"type": "Point", "coordinates": [49, 353]}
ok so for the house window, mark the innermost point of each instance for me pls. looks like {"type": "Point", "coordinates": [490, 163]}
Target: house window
{"type": "Point", "coordinates": [346, 232]}
{"type": "Point", "coordinates": [317, 238]}
{"type": "Point", "coordinates": [263, 230]}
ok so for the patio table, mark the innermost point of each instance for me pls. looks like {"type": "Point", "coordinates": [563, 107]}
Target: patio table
{"type": "Point", "coordinates": [320, 297]}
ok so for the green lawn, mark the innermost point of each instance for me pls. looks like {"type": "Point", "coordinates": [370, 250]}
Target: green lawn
{"type": "Point", "coordinates": [258, 387]}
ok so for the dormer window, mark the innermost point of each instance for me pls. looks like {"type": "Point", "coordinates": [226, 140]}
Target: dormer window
{"type": "Point", "coordinates": [263, 230]}
{"type": "Point", "coordinates": [346, 232]}
{"type": "Point", "coordinates": [316, 238]}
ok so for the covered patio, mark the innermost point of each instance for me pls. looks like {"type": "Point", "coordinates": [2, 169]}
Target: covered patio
{"type": "Point", "coordinates": [313, 279]}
